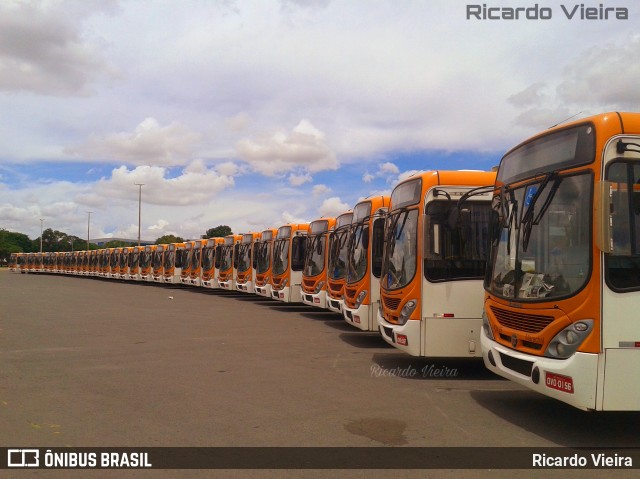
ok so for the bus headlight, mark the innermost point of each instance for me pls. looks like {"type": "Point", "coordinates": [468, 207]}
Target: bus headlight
{"type": "Point", "coordinates": [406, 311]}
{"type": "Point", "coordinates": [565, 343]}
{"type": "Point", "coordinates": [360, 298]}
{"type": "Point", "coordinates": [488, 332]}
{"type": "Point", "coordinates": [318, 287]}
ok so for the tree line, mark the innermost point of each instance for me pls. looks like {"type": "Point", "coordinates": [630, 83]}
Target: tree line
{"type": "Point", "coordinates": [54, 240]}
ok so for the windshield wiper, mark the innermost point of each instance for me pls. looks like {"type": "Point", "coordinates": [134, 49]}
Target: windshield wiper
{"type": "Point", "coordinates": [480, 190]}
{"type": "Point", "coordinates": [508, 218]}
{"type": "Point", "coordinates": [529, 220]}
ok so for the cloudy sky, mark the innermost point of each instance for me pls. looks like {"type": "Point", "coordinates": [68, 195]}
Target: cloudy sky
{"type": "Point", "coordinates": [255, 113]}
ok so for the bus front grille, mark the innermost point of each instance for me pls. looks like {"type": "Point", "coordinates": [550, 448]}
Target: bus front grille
{"type": "Point", "coordinates": [391, 303]}
{"type": "Point", "coordinates": [528, 323]}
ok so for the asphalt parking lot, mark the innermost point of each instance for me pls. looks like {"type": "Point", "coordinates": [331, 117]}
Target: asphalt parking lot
{"type": "Point", "coordinates": [89, 363]}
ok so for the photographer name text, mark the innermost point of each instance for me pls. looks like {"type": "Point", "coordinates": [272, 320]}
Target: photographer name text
{"type": "Point", "coordinates": [536, 12]}
{"type": "Point", "coordinates": [577, 460]}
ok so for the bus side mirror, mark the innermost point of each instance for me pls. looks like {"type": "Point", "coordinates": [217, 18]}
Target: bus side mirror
{"type": "Point", "coordinates": [603, 204]}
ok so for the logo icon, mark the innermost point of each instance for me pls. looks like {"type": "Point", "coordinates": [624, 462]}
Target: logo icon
{"type": "Point", "coordinates": [23, 458]}
{"type": "Point", "coordinates": [514, 340]}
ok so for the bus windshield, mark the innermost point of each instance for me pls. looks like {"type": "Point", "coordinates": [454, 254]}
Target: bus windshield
{"type": "Point", "coordinates": [541, 238]}
{"type": "Point", "coordinates": [226, 258]}
{"type": "Point", "coordinates": [168, 259]}
{"type": "Point", "coordinates": [156, 259]}
{"type": "Point", "coordinates": [145, 259]}
{"type": "Point", "coordinates": [195, 259]}
{"type": "Point", "coordinates": [314, 264]}
{"type": "Point", "coordinates": [207, 258]}
{"type": "Point", "coordinates": [338, 253]}
{"type": "Point", "coordinates": [357, 253]}
{"type": "Point", "coordinates": [400, 258]}
{"type": "Point", "coordinates": [264, 258]}
{"type": "Point", "coordinates": [244, 258]}
{"type": "Point", "coordinates": [280, 256]}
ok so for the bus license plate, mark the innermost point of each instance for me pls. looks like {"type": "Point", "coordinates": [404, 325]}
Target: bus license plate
{"type": "Point", "coordinates": [561, 383]}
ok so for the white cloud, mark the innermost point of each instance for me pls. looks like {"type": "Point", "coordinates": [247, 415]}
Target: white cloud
{"type": "Point", "coordinates": [238, 123]}
{"type": "Point", "coordinates": [389, 168]}
{"type": "Point", "coordinates": [333, 207]}
{"type": "Point", "coordinates": [196, 185]}
{"type": "Point", "coordinates": [386, 170]}
{"type": "Point", "coordinates": [319, 190]}
{"type": "Point", "coordinates": [303, 148]}
{"type": "Point", "coordinates": [288, 217]}
{"type": "Point", "coordinates": [149, 143]}
{"type": "Point", "coordinates": [159, 226]}
{"type": "Point", "coordinates": [43, 51]}
{"type": "Point", "coordinates": [297, 180]}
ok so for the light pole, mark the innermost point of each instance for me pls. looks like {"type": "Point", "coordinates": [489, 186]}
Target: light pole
{"type": "Point", "coordinates": [88, 223]}
{"type": "Point", "coordinates": [41, 221]}
{"type": "Point", "coordinates": [139, 185]}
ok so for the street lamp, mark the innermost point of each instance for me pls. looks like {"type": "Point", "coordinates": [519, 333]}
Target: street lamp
{"type": "Point", "coordinates": [139, 185]}
{"type": "Point", "coordinates": [41, 221]}
{"type": "Point", "coordinates": [88, 223]}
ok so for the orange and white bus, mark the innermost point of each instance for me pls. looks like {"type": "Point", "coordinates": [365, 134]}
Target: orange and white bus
{"type": "Point", "coordinates": [104, 262]}
{"type": "Point", "coordinates": [22, 262]}
{"type": "Point", "coordinates": [229, 262]}
{"type": "Point", "coordinates": [134, 273]}
{"type": "Point", "coordinates": [337, 262]}
{"type": "Point", "coordinates": [174, 258]}
{"type": "Point", "coordinates": [211, 262]}
{"type": "Point", "coordinates": [288, 262]}
{"type": "Point", "coordinates": [365, 246]}
{"type": "Point", "coordinates": [114, 266]}
{"type": "Point", "coordinates": [13, 262]}
{"type": "Point", "coordinates": [195, 272]}
{"type": "Point", "coordinates": [314, 273]}
{"type": "Point", "coordinates": [56, 261]}
{"type": "Point", "coordinates": [157, 263]}
{"type": "Point", "coordinates": [123, 263]}
{"type": "Point", "coordinates": [93, 262]}
{"type": "Point", "coordinates": [36, 263]}
{"type": "Point", "coordinates": [185, 273]}
{"type": "Point", "coordinates": [84, 258]}
{"type": "Point", "coordinates": [47, 262]}
{"type": "Point", "coordinates": [146, 269]}
{"type": "Point", "coordinates": [563, 281]}
{"type": "Point", "coordinates": [264, 262]}
{"type": "Point", "coordinates": [246, 279]}
{"type": "Point", "coordinates": [437, 238]}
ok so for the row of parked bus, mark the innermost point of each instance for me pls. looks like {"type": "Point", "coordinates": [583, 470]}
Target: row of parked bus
{"type": "Point", "coordinates": [535, 268]}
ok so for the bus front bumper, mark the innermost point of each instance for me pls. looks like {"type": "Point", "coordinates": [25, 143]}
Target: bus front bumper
{"type": "Point", "coordinates": [283, 294]}
{"type": "Point", "coordinates": [264, 290]}
{"type": "Point", "coordinates": [358, 317]}
{"type": "Point", "coordinates": [572, 380]}
{"type": "Point", "coordinates": [245, 287]}
{"type": "Point", "coordinates": [317, 300]}
{"type": "Point", "coordinates": [406, 337]}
